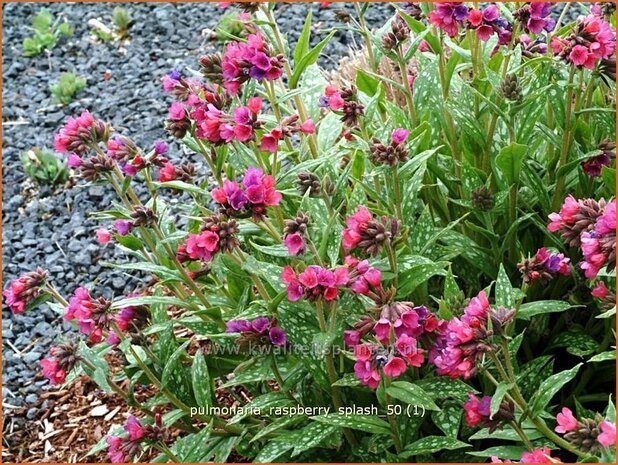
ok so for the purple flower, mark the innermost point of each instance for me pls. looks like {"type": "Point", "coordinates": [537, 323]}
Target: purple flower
{"type": "Point", "coordinates": [400, 135]}
{"type": "Point", "coordinates": [237, 326]}
{"type": "Point", "coordinates": [123, 227]}
{"type": "Point", "coordinates": [160, 147]}
{"type": "Point", "coordinates": [260, 324]}
{"type": "Point", "coordinates": [278, 336]}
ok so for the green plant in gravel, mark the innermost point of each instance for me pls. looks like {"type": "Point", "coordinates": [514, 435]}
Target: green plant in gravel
{"type": "Point", "coordinates": [122, 21]}
{"type": "Point", "coordinates": [44, 166]}
{"type": "Point", "coordinates": [46, 33]}
{"type": "Point", "coordinates": [67, 86]}
{"type": "Point", "coordinates": [411, 262]}
{"type": "Point", "coordinates": [231, 25]}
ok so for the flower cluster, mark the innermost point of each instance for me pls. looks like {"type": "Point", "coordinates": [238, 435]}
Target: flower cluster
{"type": "Point", "coordinates": [587, 434]}
{"type": "Point", "coordinates": [92, 315]}
{"type": "Point", "coordinates": [286, 128]}
{"type": "Point", "coordinates": [260, 331]}
{"type": "Point", "coordinates": [486, 22]}
{"type": "Point", "coordinates": [217, 235]}
{"type": "Point", "coordinates": [477, 412]}
{"type": "Point", "coordinates": [366, 233]}
{"type": "Point", "coordinates": [217, 126]}
{"type": "Point", "coordinates": [544, 266]}
{"type": "Point", "coordinates": [466, 339]}
{"type": "Point", "coordinates": [24, 290]}
{"type": "Point", "coordinates": [125, 448]}
{"type": "Point", "coordinates": [448, 16]}
{"type": "Point", "coordinates": [255, 194]}
{"type": "Point", "coordinates": [535, 17]}
{"type": "Point", "coordinates": [393, 153]}
{"type": "Point", "coordinates": [393, 361]}
{"type": "Point", "coordinates": [63, 359]}
{"type": "Point", "coordinates": [345, 102]}
{"type": "Point", "coordinates": [592, 226]}
{"type": "Point", "coordinates": [79, 135]}
{"type": "Point", "coordinates": [539, 455]}
{"type": "Point", "coordinates": [592, 39]}
{"type": "Point", "coordinates": [249, 60]}
{"type": "Point", "coordinates": [314, 283]}
{"type": "Point", "coordinates": [294, 234]}
{"type": "Point", "coordinates": [364, 278]}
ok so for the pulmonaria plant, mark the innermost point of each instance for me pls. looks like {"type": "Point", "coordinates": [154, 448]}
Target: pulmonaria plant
{"type": "Point", "coordinates": [428, 230]}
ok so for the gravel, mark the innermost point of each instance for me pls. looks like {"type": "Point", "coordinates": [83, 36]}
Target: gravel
{"type": "Point", "coordinates": [52, 227]}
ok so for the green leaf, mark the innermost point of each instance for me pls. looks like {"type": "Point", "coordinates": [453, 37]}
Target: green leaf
{"type": "Point", "coordinates": [449, 418]}
{"type": "Point", "coordinates": [504, 290]}
{"type": "Point", "coordinates": [604, 356]}
{"type": "Point", "coordinates": [272, 451]}
{"type": "Point", "coordinates": [510, 160]}
{"type": "Point", "coordinates": [431, 444]}
{"type": "Point", "coordinates": [411, 394]}
{"type": "Point", "coordinates": [312, 435]}
{"type": "Point", "coordinates": [530, 309]}
{"type": "Point", "coordinates": [181, 186]}
{"type": "Point", "coordinates": [173, 366]}
{"type": "Point", "coordinates": [200, 377]}
{"type": "Point", "coordinates": [367, 423]}
{"type": "Point", "coordinates": [576, 342]}
{"type": "Point", "coordinates": [302, 46]}
{"type": "Point", "coordinates": [366, 84]}
{"type": "Point", "coordinates": [152, 300]}
{"type": "Point", "coordinates": [496, 399]}
{"type": "Point", "coordinates": [609, 178]}
{"type": "Point", "coordinates": [502, 452]}
{"type": "Point", "coordinates": [349, 379]}
{"type": "Point", "coordinates": [159, 270]}
{"type": "Point", "coordinates": [445, 388]}
{"type": "Point", "coordinates": [308, 59]}
{"type": "Point", "coordinates": [550, 387]}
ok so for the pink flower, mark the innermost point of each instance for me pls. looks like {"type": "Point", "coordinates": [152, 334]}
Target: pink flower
{"type": "Point", "coordinates": [566, 421]}
{"type": "Point", "coordinates": [24, 290]}
{"type": "Point", "coordinates": [78, 134]}
{"type": "Point", "coordinates": [356, 224]}
{"type": "Point", "coordinates": [202, 246]}
{"type": "Point", "coordinates": [606, 223]}
{"type": "Point", "coordinates": [103, 236]}
{"type": "Point", "coordinates": [608, 434]}
{"type": "Point", "coordinates": [52, 371]}
{"type": "Point", "coordinates": [314, 282]}
{"type": "Point", "coordinates": [177, 111]}
{"type": "Point", "coordinates": [134, 428]}
{"type": "Point", "coordinates": [448, 15]}
{"type": "Point", "coordinates": [74, 161]}
{"type": "Point", "coordinates": [256, 193]}
{"type": "Point", "coordinates": [269, 143]}
{"type": "Point", "coordinates": [295, 243]}
{"type": "Point", "coordinates": [538, 456]}
{"type": "Point", "coordinates": [477, 411]}
{"type": "Point", "coordinates": [167, 173]}
{"type": "Point", "coordinates": [308, 127]}
{"type": "Point", "coordinates": [407, 347]}
{"type": "Point", "coordinates": [400, 135]}
{"type": "Point", "coordinates": [581, 57]}
{"type": "Point", "coordinates": [90, 314]}
{"type": "Point", "coordinates": [395, 367]}
{"type": "Point", "coordinates": [600, 291]}
{"type": "Point", "coordinates": [364, 369]}
{"type": "Point", "coordinates": [255, 105]}
{"type": "Point", "coordinates": [569, 209]}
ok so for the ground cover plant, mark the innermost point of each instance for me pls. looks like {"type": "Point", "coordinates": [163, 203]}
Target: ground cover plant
{"type": "Point", "coordinates": [410, 259]}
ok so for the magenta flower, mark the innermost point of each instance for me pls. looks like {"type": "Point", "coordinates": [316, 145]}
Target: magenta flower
{"type": "Point", "coordinates": [167, 173]}
{"type": "Point", "coordinates": [122, 449]}
{"type": "Point", "coordinates": [332, 99]}
{"type": "Point", "coordinates": [364, 368]}
{"type": "Point", "coordinates": [295, 243]}
{"type": "Point", "coordinates": [600, 291]}
{"type": "Point", "coordinates": [395, 367]}
{"type": "Point", "coordinates": [74, 161]}
{"type": "Point", "coordinates": [408, 348]}
{"type": "Point", "coordinates": [541, 455]}
{"type": "Point", "coordinates": [123, 227]}
{"type": "Point", "coordinates": [566, 217]}
{"type": "Point", "coordinates": [255, 194]}
{"type": "Point", "coordinates": [477, 410]}
{"type": "Point", "coordinates": [607, 437]}
{"type": "Point", "coordinates": [448, 16]}
{"type": "Point", "coordinates": [566, 421]}
{"type": "Point", "coordinates": [592, 39]}
{"type": "Point", "coordinates": [464, 341]}
{"type": "Point", "coordinates": [25, 289]}
{"type": "Point", "coordinates": [400, 135]}
{"type": "Point", "coordinates": [260, 331]}
{"type": "Point", "coordinates": [307, 127]}
{"type": "Point", "coordinates": [92, 315]}
{"type": "Point", "coordinates": [79, 134]}
{"type": "Point", "coordinates": [534, 17]}
{"type": "Point", "coordinates": [356, 224]}
{"type": "Point", "coordinates": [314, 283]}
{"type": "Point", "coordinates": [202, 246]}
{"type": "Point", "coordinates": [52, 371]}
